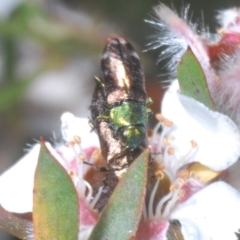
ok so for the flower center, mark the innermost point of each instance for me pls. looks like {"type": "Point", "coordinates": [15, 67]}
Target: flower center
{"type": "Point", "coordinates": [166, 171]}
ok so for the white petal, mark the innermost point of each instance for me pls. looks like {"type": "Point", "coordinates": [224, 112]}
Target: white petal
{"type": "Point", "coordinates": [16, 184]}
{"type": "Point", "coordinates": [72, 126]}
{"type": "Point", "coordinates": [190, 230]}
{"type": "Point", "coordinates": [211, 214]}
{"type": "Point", "coordinates": [85, 232]}
{"type": "Point", "coordinates": [229, 20]}
{"type": "Point", "coordinates": [216, 134]}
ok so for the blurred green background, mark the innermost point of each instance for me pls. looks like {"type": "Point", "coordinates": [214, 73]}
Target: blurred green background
{"type": "Point", "coordinates": [51, 49]}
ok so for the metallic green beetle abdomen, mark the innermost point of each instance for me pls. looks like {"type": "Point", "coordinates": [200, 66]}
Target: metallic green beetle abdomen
{"type": "Point", "coordinates": [134, 136]}
{"type": "Point", "coordinates": [129, 114]}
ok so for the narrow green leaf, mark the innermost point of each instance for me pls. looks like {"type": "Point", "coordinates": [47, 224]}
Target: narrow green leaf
{"type": "Point", "coordinates": [18, 225]}
{"type": "Point", "coordinates": [55, 200]}
{"type": "Point", "coordinates": [120, 218]}
{"type": "Point", "coordinates": [192, 80]}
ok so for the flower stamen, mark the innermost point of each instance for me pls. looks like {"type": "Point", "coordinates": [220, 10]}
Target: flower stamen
{"type": "Point", "coordinates": [96, 198]}
{"type": "Point", "coordinates": [170, 204]}
{"type": "Point", "coordinates": [70, 144]}
{"type": "Point", "coordinates": [150, 205]}
{"type": "Point", "coordinates": [182, 194]}
{"type": "Point", "coordinates": [77, 139]}
{"type": "Point", "coordinates": [193, 143]}
{"type": "Point", "coordinates": [168, 123]}
{"type": "Point", "coordinates": [160, 204]}
{"type": "Point", "coordinates": [188, 156]}
{"type": "Point", "coordinates": [96, 154]}
{"type": "Point", "coordinates": [170, 151]}
{"type": "Point", "coordinates": [184, 174]}
{"type": "Point", "coordinates": [174, 187]}
{"type": "Point", "coordinates": [160, 117]}
{"type": "Point", "coordinates": [90, 192]}
{"type": "Point", "coordinates": [166, 141]}
{"type": "Point", "coordinates": [82, 157]}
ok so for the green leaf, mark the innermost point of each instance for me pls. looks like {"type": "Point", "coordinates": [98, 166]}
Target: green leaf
{"type": "Point", "coordinates": [55, 200]}
{"type": "Point", "coordinates": [120, 217]}
{"type": "Point", "coordinates": [18, 225]}
{"type": "Point", "coordinates": [192, 80]}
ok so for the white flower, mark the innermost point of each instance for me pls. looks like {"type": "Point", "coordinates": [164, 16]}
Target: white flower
{"type": "Point", "coordinates": [211, 214]}
{"type": "Point", "coordinates": [218, 53]}
{"type": "Point", "coordinates": [229, 20]}
{"type": "Point", "coordinates": [16, 184]}
{"type": "Point", "coordinates": [195, 144]}
{"type": "Point", "coordinates": [193, 134]}
{"type": "Point", "coordinates": [216, 136]}
{"type": "Point", "coordinates": [73, 126]}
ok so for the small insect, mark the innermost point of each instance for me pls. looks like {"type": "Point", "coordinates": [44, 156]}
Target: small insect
{"type": "Point", "coordinates": [119, 108]}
